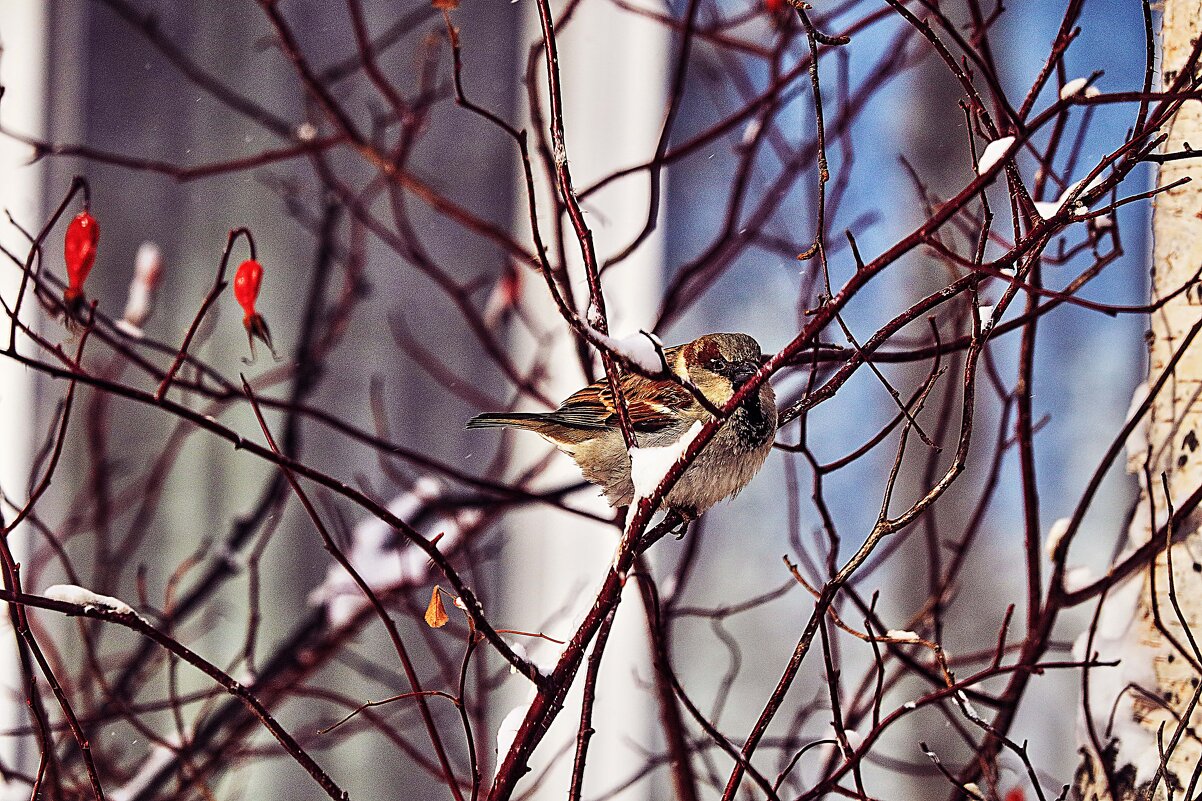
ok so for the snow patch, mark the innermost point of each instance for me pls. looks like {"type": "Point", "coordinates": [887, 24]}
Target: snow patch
{"type": "Point", "coordinates": [648, 466]}
{"type": "Point", "coordinates": [751, 131]}
{"type": "Point", "coordinates": [593, 313]}
{"type": "Point", "coordinates": [507, 732]}
{"type": "Point", "coordinates": [148, 264]}
{"type": "Point", "coordinates": [993, 153]}
{"type": "Point", "coordinates": [1080, 188]}
{"type": "Point", "coordinates": [854, 738]}
{"type": "Point", "coordinates": [520, 651]}
{"type": "Point", "coordinates": [381, 558]}
{"type": "Point", "coordinates": [1055, 534]}
{"type": "Point", "coordinates": [902, 634]}
{"type": "Point", "coordinates": [968, 708]}
{"type": "Point", "coordinates": [1047, 209]}
{"type": "Point", "coordinates": [642, 348]}
{"type": "Point", "coordinates": [1073, 87]}
{"type": "Point", "coordinates": [74, 594]}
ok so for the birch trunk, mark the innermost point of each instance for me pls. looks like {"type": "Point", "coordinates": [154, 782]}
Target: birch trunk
{"type": "Point", "coordinates": [613, 112]}
{"type": "Point", "coordinates": [1148, 706]}
{"type": "Point", "coordinates": [23, 69]}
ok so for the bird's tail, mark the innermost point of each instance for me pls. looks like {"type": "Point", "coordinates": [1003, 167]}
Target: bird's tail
{"type": "Point", "coordinates": [529, 420]}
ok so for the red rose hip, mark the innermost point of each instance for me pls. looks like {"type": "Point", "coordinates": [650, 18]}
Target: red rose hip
{"type": "Point", "coordinates": [79, 252]}
{"type": "Point", "coordinates": [247, 281]}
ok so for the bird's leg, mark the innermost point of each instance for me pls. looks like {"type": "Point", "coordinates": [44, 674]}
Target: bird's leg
{"type": "Point", "coordinates": [682, 525]}
{"type": "Point", "coordinates": [674, 523]}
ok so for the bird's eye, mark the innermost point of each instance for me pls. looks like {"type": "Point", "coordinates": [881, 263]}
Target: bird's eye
{"type": "Point", "coordinates": [715, 364]}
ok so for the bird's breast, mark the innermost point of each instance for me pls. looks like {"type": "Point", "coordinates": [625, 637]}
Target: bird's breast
{"type": "Point", "coordinates": [753, 425]}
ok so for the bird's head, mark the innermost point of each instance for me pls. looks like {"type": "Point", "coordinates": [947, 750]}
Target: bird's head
{"type": "Point", "coordinates": [719, 363]}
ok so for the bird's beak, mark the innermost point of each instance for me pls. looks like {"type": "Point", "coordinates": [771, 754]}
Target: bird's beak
{"type": "Point", "coordinates": [740, 373]}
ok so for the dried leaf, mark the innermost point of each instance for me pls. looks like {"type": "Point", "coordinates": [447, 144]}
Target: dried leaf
{"type": "Point", "coordinates": [436, 613]}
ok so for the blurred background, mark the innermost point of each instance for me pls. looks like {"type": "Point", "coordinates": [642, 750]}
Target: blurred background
{"type": "Point", "coordinates": [145, 506]}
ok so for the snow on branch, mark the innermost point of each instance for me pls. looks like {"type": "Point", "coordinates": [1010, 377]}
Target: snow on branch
{"type": "Point", "coordinates": [1073, 87]}
{"type": "Point", "coordinates": [1049, 209]}
{"type": "Point", "coordinates": [994, 152]}
{"type": "Point", "coordinates": [508, 729]}
{"type": "Point", "coordinates": [381, 558]}
{"type": "Point", "coordinates": [1055, 535]}
{"type": "Point", "coordinates": [644, 349]}
{"type": "Point", "coordinates": [74, 594]}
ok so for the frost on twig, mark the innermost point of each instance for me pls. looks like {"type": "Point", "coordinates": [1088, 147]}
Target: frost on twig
{"type": "Point", "coordinates": [74, 594]}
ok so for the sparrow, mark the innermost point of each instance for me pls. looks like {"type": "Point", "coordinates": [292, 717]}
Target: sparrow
{"type": "Point", "coordinates": [586, 427]}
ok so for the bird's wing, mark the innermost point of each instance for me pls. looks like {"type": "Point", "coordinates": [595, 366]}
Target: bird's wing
{"type": "Point", "coordinates": [653, 405]}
